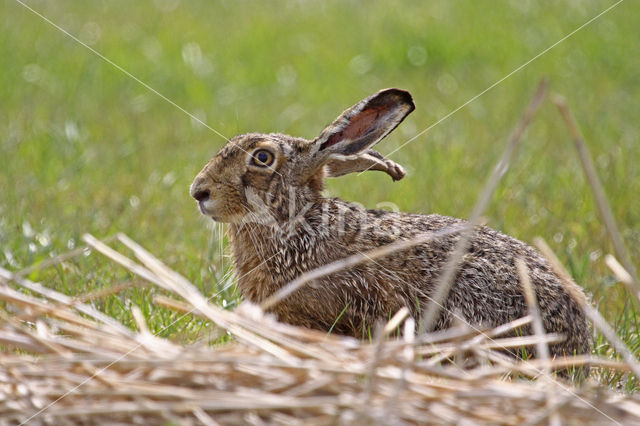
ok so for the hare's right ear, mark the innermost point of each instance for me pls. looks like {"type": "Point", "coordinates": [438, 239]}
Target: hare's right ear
{"type": "Point", "coordinates": [368, 160]}
{"type": "Point", "coordinates": [363, 125]}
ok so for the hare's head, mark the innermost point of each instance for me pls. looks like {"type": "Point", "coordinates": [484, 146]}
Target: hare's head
{"type": "Point", "coordinates": [257, 171]}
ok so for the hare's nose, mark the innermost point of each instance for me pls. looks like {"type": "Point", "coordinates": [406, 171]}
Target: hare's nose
{"type": "Point", "coordinates": [200, 194]}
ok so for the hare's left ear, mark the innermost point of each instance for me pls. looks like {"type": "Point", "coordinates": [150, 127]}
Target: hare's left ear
{"type": "Point", "coordinates": [364, 124]}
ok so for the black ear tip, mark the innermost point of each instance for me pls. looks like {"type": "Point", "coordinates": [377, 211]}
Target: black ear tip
{"type": "Point", "coordinates": [398, 96]}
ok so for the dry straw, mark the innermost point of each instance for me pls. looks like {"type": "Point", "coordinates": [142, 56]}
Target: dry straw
{"type": "Point", "coordinates": [65, 362]}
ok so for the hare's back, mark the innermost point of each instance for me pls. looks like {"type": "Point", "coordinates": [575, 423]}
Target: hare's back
{"type": "Point", "coordinates": [487, 276]}
{"type": "Point", "coordinates": [487, 287]}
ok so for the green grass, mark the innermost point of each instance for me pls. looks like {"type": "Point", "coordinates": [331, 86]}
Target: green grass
{"type": "Point", "coordinates": [84, 148]}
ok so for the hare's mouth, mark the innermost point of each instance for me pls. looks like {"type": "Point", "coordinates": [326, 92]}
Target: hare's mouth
{"type": "Point", "coordinates": [208, 207]}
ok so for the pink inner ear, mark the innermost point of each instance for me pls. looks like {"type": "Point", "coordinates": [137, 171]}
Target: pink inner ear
{"type": "Point", "coordinates": [362, 123]}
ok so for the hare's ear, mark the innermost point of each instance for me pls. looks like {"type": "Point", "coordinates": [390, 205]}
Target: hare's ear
{"type": "Point", "coordinates": [368, 160]}
{"type": "Point", "coordinates": [364, 124]}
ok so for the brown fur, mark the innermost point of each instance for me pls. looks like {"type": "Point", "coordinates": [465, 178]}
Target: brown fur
{"type": "Point", "coordinates": [293, 229]}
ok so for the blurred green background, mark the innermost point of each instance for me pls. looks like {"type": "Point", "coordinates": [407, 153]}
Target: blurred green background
{"type": "Point", "coordinates": [85, 148]}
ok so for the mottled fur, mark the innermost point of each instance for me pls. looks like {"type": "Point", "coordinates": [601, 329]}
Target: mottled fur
{"type": "Point", "coordinates": [282, 226]}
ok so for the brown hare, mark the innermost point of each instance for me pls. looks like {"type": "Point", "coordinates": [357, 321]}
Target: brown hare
{"type": "Point", "coordinates": [268, 187]}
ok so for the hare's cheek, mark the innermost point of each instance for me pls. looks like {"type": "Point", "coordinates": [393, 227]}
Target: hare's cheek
{"type": "Point", "coordinates": [259, 180]}
{"type": "Point", "coordinates": [232, 201]}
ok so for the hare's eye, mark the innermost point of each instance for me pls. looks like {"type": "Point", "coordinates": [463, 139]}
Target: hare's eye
{"type": "Point", "coordinates": [262, 158]}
